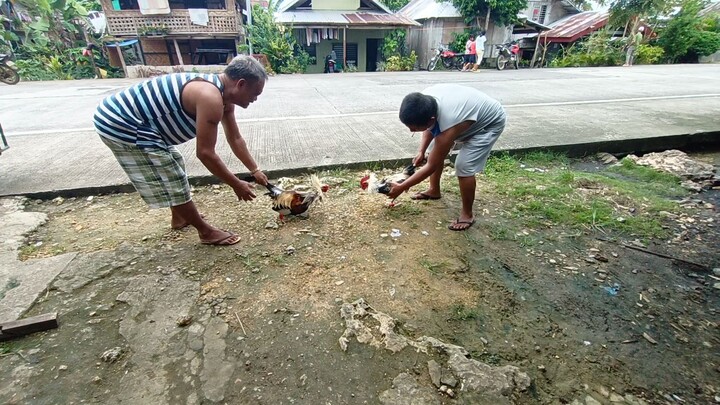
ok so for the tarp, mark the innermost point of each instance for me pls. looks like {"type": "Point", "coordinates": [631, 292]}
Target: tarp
{"type": "Point", "coordinates": [123, 43]}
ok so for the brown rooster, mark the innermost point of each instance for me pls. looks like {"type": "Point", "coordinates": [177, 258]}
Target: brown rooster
{"type": "Point", "coordinates": [292, 202]}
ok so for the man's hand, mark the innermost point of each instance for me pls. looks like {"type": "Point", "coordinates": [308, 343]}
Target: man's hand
{"type": "Point", "coordinates": [395, 190]}
{"type": "Point", "coordinates": [260, 178]}
{"type": "Point", "coordinates": [419, 159]}
{"type": "Point", "coordinates": [244, 191]}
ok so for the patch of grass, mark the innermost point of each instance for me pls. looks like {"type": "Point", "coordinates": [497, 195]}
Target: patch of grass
{"type": "Point", "coordinates": [9, 347]}
{"type": "Point", "coordinates": [527, 241]}
{"type": "Point", "coordinates": [351, 179]}
{"type": "Point", "coordinates": [28, 252]}
{"type": "Point", "coordinates": [403, 211]}
{"type": "Point", "coordinates": [280, 259]}
{"type": "Point", "coordinates": [472, 239]}
{"type": "Point", "coordinates": [461, 313]}
{"type": "Point", "coordinates": [501, 165]}
{"type": "Point", "coordinates": [433, 268]}
{"type": "Point", "coordinates": [631, 169]}
{"type": "Point", "coordinates": [627, 200]}
{"type": "Point", "coordinates": [248, 261]}
{"type": "Point", "coordinates": [654, 183]}
{"type": "Point", "coordinates": [500, 232]}
{"type": "Point", "coordinates": [544, 159]}
{"type": "Point", "coordinates": [450, 186]}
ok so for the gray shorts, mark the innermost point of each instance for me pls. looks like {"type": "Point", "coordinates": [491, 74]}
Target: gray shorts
{"type": "Point", "coordinates": [475, 146]}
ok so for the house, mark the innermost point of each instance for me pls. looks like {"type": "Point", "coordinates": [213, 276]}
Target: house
{"type": "Point", "coordinates": [175, 32]}
{"type": "Point", "coordinates": [439, 20]}
{"type": "Point", "coordinates": [575, 27]}
{"type": "Point", "coordinates": [568, 30]}
{"type": "Point", "coordinates": [353, 29]}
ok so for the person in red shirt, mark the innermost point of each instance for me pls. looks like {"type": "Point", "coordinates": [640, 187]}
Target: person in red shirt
{"type": "Point", "coordinates": [470, 57]}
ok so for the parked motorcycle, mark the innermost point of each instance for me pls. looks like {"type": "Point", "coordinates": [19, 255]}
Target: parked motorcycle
{"type": "Point", "coordinates": [450, 59]}
{"type": "Point", "coordinates": [508, 54]}
{"type": "Point", "coordinates": [8, 70]}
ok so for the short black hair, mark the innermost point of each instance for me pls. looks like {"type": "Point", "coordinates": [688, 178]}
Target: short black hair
{"type": "Point", "coordinates": [418, 109]}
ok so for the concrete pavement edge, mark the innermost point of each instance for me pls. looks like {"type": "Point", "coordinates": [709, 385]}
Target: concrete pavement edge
{"type": "Point", "coordinates": [686, 142]}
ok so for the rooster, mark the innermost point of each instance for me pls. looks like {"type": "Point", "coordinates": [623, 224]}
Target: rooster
{"type": "Point", "coordinates": [371, 184]}
{"type": "Point", "coordinates": [292, 202]}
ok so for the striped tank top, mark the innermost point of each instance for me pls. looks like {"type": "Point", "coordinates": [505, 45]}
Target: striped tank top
{"type": "Point", "coordinates": [150, 114]}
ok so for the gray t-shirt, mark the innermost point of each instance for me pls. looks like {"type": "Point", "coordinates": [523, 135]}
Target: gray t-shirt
{"type": "Point", "coordinates": [457, 104]}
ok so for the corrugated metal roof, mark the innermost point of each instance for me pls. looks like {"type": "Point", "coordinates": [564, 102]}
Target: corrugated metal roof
{"type": "Point", "coordinates": [301, 18]}
{"type": "Point", "coordinates": [378, 18]}
{"type": "Point", "coordinates": [713, 8]}
{"type": "Point", "coordinates": [285, 5]}
{"type": "Point", "coordinates": [574, 27]}
{"type": "Point", "coordinates": [425, 9]}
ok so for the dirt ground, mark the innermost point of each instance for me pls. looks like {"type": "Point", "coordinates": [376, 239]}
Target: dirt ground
{"type": "Point", "coordinates": [587, 311]}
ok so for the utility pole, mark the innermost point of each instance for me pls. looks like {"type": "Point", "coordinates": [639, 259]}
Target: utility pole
{"type": "Point", "coordinates": [248, 11]}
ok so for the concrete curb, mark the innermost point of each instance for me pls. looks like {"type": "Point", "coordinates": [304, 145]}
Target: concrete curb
{"type": "Point", "coordinates": [686, 142]}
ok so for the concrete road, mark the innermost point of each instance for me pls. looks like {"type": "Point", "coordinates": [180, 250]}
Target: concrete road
{"type": "Point", "coordinates": [311, 120]}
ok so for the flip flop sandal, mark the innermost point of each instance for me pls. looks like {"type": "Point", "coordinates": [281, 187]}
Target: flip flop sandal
{"type": "Point", "coordinates": [423, 196]}
{"type": "Point", "coordinates": [226, 241]}
{"type": "Point", "coordinates": [457, 222]}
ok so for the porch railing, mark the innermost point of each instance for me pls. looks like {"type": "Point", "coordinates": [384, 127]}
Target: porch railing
{"type": "Point", "coordinates": [132, 23]}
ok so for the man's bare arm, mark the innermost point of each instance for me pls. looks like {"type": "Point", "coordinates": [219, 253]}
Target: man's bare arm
{"type": "Point", "coordinates": [443, 144]}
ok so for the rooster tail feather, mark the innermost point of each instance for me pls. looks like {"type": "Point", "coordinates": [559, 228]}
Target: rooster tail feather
{"type": "Point", "coordinates": [409, 170]}
{"type": "Point", "coordinates": [316, 186]}
{"type": "Point", "coordinates": [373, 184]}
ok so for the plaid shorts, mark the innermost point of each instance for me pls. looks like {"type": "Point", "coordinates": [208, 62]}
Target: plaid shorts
{"type": "Point", "coordinates": [157, 174]}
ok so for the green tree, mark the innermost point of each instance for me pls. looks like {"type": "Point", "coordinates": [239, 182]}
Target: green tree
{"type": "Point", "coordinates": [688, 35]}
{"type": "Point", "coordinates": [629, 13]}
{"type": "Point", "coordinates": [395, 5]}
{"type": "Point", "coordinates": [276, 42]}
{"type": "Point", "coordinates": [502, 12]}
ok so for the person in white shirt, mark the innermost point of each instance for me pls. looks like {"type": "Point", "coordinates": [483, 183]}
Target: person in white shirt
{"type": "Point", "coordinates": [479, 49]}
{"type": "Point", "coordinates": [450, 115]}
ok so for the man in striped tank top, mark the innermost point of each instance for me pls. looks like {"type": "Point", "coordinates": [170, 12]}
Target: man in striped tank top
{"type": "Point", "coordinates": [142, 125]}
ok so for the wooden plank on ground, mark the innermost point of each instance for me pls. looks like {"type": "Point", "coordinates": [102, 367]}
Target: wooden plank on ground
{"type": "Point", "coordinates": [22, 327]}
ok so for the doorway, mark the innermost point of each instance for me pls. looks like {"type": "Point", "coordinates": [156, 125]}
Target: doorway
{"type": "Point", "coordinates": [373, 54]}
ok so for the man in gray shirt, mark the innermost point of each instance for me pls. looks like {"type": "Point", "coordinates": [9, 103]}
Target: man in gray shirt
{"type": "Point", "coordinates": [450, 114]}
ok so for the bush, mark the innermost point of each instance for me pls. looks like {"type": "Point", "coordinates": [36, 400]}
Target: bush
{"type": "Point", "coordinates": [394, 44]}
{"type": "Point", "coordinates": [648, 54]}
{"type": "Point", "coordinates": [688, 36]}
{"type": "Point", "coordinates": [458, 42]}
{"type": "Point", "coordinates": [401, 63]}
{"type": "Point", "coordinates": [276, 42]}
{"type": "Point", "coordinates": [596, 50]}
{"type": "Point", "coordinates": [38, 63]}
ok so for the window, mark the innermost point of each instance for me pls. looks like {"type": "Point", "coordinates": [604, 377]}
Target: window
{"type": "Point", "coordinates": [126, 5]}
{"type": "Point", "coordinates": [543, 13]}
{"type": "Point", "coordinates": [185, 4]}
{"type": "Point", "coordinates": [539, 11]}
{"type": "Point", "coordinates": [352, 53]}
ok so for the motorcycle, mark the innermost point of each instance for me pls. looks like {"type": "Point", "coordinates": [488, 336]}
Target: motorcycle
{"type": "Point", "coordinates": [508, 54]}
{"type": "Point", "coordinates": [329, 64]}
{"type": "Point", "coordinates": [450, 59]}
{"type": "Point", "coordinates": [8, 70]}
